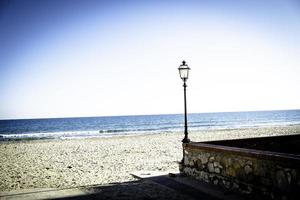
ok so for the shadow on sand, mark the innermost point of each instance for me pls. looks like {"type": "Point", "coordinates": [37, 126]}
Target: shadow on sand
{"type": "Point", "coordinates": [158, 187]}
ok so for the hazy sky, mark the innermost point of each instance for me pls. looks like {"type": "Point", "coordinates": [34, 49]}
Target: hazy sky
{"type": "Point", "coordinates": [95, 58]}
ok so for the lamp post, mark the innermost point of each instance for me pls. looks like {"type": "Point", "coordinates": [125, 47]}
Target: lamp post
{"type": "Point", "coordinates": [184, 74]}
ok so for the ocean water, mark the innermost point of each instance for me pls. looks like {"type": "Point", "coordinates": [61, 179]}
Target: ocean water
{"type": "Point", "coordinates": [84, 127]}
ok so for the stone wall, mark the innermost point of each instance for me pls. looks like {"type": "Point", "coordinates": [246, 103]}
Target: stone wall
{"type": "Point", "coordinates": [259, 174]}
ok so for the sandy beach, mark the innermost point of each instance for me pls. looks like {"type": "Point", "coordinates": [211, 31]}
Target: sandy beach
{"type": "Point", "coordinates": [78, 162]}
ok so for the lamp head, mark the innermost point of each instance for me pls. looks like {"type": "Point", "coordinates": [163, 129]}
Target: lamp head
{"type": "Point", "coordinates": [184, 71]}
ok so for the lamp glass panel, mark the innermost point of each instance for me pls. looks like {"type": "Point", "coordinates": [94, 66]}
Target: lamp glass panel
{"type": "Point", "coordinates": [184, 73]}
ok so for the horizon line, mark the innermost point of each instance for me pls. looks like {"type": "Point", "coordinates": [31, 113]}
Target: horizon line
{"type": "Point", "coordinates": [129, 115]}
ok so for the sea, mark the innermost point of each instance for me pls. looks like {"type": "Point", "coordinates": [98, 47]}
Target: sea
{"type": "Point", "coordinates": [91, 127]}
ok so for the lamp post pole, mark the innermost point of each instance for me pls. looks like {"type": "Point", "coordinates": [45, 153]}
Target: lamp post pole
{"type": "Point", "coordinates": [184, 75]}
{"type": "Point", "coordinates": [185, 139]}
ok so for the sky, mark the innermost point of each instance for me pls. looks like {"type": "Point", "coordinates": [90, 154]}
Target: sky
{"type": "Point", "coordinates": [63, 58]}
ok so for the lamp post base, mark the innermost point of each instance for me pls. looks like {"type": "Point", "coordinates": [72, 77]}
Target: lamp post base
{"type": "Point", "coordinates": [186, 140]}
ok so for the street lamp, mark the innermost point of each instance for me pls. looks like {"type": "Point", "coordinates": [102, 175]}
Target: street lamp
{"type": "Point", "coordinates": [184, 74]}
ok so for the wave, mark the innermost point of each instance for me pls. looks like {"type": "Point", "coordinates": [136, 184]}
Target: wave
{"type": "Point", "coordinates": [77, 134]}
{"type": "Point", "coordinates": [136, 131]}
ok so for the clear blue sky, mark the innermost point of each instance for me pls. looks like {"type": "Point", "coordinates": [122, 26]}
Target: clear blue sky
{"type": "Point", "coordinates": [66, 58]}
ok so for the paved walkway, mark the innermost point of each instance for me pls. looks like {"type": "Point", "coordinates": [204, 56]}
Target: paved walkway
{"type": "Point", "coordinates": [150, 187]}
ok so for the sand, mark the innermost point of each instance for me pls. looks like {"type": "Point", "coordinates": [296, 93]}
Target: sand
{"type": "Point", "coordinates": [78, 162]}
